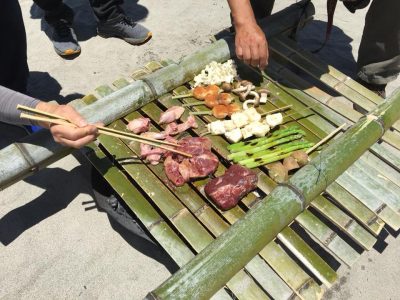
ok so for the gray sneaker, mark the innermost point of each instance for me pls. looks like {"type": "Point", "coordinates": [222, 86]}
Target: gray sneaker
{"type": "Point", "coordinates": [124, 28]}
{"type": "Point", "coordinates": [64, 39]}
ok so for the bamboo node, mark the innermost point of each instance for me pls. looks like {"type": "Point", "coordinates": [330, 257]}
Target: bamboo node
{"type": "Point", "coordinates": [296, 191]}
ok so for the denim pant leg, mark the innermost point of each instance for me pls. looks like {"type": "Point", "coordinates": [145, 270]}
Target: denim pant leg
{"type": "Point", "coordinates": [13, 59]}
{"type": "Point", "coordinates": [379, 52]}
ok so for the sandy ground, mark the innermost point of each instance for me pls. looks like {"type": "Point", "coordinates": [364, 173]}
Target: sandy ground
{"type": "Point", "coordinates": [53, 246]}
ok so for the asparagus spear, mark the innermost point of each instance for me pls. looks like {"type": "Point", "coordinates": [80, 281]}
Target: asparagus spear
{"type": "Point", "coordinates": [272, 157]}
{"type": "Point", "coordinates": [239, 155]}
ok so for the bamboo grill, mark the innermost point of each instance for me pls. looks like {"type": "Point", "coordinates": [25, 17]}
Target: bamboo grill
{"type": "Point", "coordinates": [288, 265]}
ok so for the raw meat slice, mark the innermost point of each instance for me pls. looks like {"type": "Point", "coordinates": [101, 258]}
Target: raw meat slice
{"type": "Point", "coordinates": [171, 114]}
{"type": "Point", "coordinates": [174, 128]}
{"type": "Point", "coordinates": [227, 190]}
{"type": "Point", "coordinates": [139, 125]}
{"type": "Point", "coordinates": [171, 168]}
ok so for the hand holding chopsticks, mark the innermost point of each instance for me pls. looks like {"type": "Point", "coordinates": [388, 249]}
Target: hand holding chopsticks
{"type": "Point", "coordinates": [42, 116]}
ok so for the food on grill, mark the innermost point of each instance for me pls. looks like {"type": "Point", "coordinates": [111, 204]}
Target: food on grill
{"type": "Point", "coordinates": [229, 125]}
{"type": "Point", "coordinates": [202, 163]}
{"type": "Point", "coordinates": [252, 114]}
{"type": "Point", "coordinates": [172, 114]}
{"type": "Point", "coordinates": [226, 87]}
{"type": "Point", "coordinates": [261, 151]}
{"type": "Point", "coordinates": [274, 120]}
{"type": "Point", "coordinates": [290, 163]}
{"type": "Point", "coordinates": [216, 73]}
{"type": "Point", "coordinates": [216, 127]}
{"type": "Point", "coordinates": [234, 135]}
{"type": "Point", "coordinates": [171, 168]}
{"type": "Point", "coordinates": [240, 119]}
{"type": "Point", "coordinates": [199, 92]}
{"type": "Point", "coordinates": [225, 98]}
{"type": "Point", "coordinates": [301, 157]}
{"type": "Point", "coordinates": [227, 190]}
{"type": "Point", "coordinates": [211, 100]}
{"type": "Point", "coordinates": [261, 130]}
{"type": "Point", "coordinates": [174, 128]}
{"type": "Point", "coordinates": [277, 172]}
{"type": "Point", "coordinates": [139, 125]}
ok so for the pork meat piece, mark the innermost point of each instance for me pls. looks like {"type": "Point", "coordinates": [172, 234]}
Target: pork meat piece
{"type": "Point", "coordinates": [171, 168]}
{"type": "Point", "coordinates": [173, 128]}
{"type": "Point", "coordinates": [171, 114]}
{"type": "Point", "coordinates": [139, 125]}
{"type": "Point", "coordinates": [227, 190]}
{"type": "Point", "coordinates": [189, 123]}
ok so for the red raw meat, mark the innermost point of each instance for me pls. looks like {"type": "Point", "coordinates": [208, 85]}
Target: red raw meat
{"type": "Point", "coordinates": [202, 164]}
{"type": "Point", "coordinates": [227, 190]}
{"type": "Point", "coordinates": [171, 168]}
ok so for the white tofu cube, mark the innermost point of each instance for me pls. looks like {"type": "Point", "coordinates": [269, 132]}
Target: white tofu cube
{"type": "Point", "coordinates": [216, 127]}
{"type": "Point", "coordinates": [240, 119]}
{"type": "Point", "coordinates": [261, 129]}
{"type": "Point", "coordinates": [252, 114]}
{"type": "Point", "coordinates": [229, 125]}
{"type": "Point", "coordinates": [274, 120]}
{"type": "Point", "coordinates": [234, 135]}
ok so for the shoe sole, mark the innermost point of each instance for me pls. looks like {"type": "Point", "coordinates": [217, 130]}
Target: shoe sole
{"type": "Point", "coordinates": [135, 42]}
{"type": "Point", "coordinates": [68, 52]}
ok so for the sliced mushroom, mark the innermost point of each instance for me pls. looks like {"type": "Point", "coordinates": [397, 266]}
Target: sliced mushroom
{"type": "Point", "coordinates": [255, 101]}
{"type": "Point", "coordinates": [277, 172]}
{"type": "Point", "coordinates": [264, 93]}
{"type": "Point", "coordinates": [227, 87]}
{"type": "Point", "coordinates": [301, 157]}
{"type": "Point", "coordinates": [290, 163]}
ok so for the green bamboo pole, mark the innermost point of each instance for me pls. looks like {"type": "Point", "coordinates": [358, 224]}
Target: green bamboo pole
{"type": "Point", "coordinates": [210, 269]}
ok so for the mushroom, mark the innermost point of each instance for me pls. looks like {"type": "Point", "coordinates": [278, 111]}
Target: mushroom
{"type": "Point", "coordinates": [227, 87]}
{"type": "Point", "coordinates": [301, 157]}
{"type": "Point", "coordinates": [243, 95]}
{"type": "Point", "coordinates": [277, 172]}
{"type": "Point", "coordinates": [290, 163]}
{"type": "Point", "coordinates": [255, 101]}
{"type": "Point", "coordinates": [264, 93]}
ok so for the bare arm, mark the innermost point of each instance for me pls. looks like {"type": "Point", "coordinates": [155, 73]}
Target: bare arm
{"type": "Point", "coordinates": [250, 41]}
{"type": "Point", "coordinates": [67, 136]}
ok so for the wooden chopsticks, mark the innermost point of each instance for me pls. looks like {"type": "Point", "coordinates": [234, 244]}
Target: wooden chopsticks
{"type": "Point", "coordinates": [55, 119]}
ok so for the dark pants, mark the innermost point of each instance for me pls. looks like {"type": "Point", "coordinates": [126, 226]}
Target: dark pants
{"type": "Point", "coordinates": [104, 10]}
{"type": "Point", "coordinates": [379, 52]}
{"type": "Point", "coordinates": [13, 61]}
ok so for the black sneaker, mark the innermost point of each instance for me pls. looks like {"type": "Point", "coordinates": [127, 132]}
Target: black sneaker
{"type": "Point", "coordinates": [124, 28]}
{"type": "Point", "coordinates": [379, 89]}
{"type": "Point", "coordinates": [64, 39]}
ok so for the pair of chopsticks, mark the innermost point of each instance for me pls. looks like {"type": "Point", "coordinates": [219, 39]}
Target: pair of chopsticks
{"type": "Point", "coordinates": [59, 120]}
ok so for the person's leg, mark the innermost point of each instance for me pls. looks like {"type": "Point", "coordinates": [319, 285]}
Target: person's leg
{"type": "Point", "coordinates": [112, 22]}
{"type": "Point", "coordinates": [13, 60]}
{"type": "Point", "coordinates": [379, 53]}
{"type": "Point", "coordinates": [59, 17]}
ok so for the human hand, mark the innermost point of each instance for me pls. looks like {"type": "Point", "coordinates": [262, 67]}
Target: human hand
{"type": "Point", "coordinates": [66, 135]}
{"type": "Point", "coordinates": [251, 45]}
